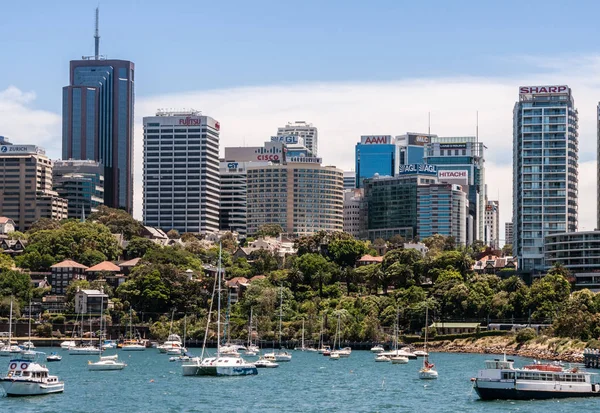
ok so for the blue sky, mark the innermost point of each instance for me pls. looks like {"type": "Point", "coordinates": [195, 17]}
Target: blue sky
{"type": "Point", "coordinates": [349, 67]}
{"type": "Point", "coordinates": [191, 45]}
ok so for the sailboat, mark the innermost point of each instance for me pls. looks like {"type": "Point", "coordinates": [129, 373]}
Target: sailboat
{"type": "Point", "coordinates": [220, 365]}
{"type": "Point", "coordinates": [325, 350]}
{"type": "Point", "coordinates": [85, 350]}
{"type": "Point", "coordinates": [181, 350]}
{"type": "Point", "coordinates": [132, 344]}
{"type": "Point", "coordinates": [28, 352]}
{"type": "Point", "coordinates": [302, 346]}
{"type": "Point", "coordinates": [397, 358]}
{"type": "Point", "coordinates": [251, 349]}
{"type": "Point", "coordinates": [279, 355]}
{"type": "Point", "coordinates": [10, 349]}
{"type": "Point", "coordinates": [340, 352]}
{"type": "Point", "coordinates": [105, 363]}
{"type": "Point", "coordinates": [428, 371]}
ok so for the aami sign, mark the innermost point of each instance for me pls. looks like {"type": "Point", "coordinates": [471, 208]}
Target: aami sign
{"type": "Point", "coordinates": [375, 139]}
{"type": "Point", "coordinates": [524, 90]}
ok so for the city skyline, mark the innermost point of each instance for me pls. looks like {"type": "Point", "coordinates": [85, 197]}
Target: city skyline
{"type": "Point", "coordinates": [250, 114]}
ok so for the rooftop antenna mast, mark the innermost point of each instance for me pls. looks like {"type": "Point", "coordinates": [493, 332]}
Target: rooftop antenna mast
{"type": "Point", "coordinates": [97, 36]}
{"type": "Point", "coordinates": [429, 123]}
{"type": "Point", "coordinates": [477, 126]}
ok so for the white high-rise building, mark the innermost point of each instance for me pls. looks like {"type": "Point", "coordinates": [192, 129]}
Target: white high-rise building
{"type": "Point", "coordinates": [545, 162]}
{"type": "Point", "coordinates": [304, 130]}
{"type": "Point", "coordinates": [352, 211]}
{"type": "Point", "coordinates": [181, 172]}
{"type": "Point", "coordinates": [492, 224]}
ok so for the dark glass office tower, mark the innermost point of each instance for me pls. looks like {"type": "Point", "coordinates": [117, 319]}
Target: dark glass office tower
{"type": "Point", "coordinates": [98, 123]}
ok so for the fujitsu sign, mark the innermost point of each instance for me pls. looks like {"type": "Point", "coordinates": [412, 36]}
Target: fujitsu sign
{"type": "Point", "coordinates": [189, 121]}
{"type": "Point", "coordinates": [538, 90]}
{"type": "Point", "coordinates": [376, 139]}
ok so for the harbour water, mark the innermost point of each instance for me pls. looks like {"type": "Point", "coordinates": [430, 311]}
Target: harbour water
{"type": "Point", "coordinates": [309, 383]}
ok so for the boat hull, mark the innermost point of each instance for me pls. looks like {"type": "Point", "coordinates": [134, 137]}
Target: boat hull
{"type": "Point", "coordinates": [25, 388]}
{"type": "Point", "coordinates": [133, 348]}
{"type": "Point", "coordinates": [486, 393]}
{"type": "Point", "coordinates": [106, 367]}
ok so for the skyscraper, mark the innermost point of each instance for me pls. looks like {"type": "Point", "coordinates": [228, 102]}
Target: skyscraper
{"type": "Point", "coordinates": [460, 160]}
{"type": "Point", "coordinates": [304, 130]}
{"type": "Point", "coordinates": [598, 166]}
{"type": "Point", "coordinates": [81, 183]}
{"type": "Point", "coordinates": [26, 193]}
{"type": "Point", "coordinates": [349, 180]}
{"type": "Point", "coordinates": [545, 161]}
{"type": "Point", "coordinates": [376, 155]}
{"type": "Point", "coordinates": [508, 233]}
{"type": "Point", "coordinates": [181, 172]}
{"type": "Point", "coordinates": [492, 224]}
{"type": "Point", "coordinates": [98, 121]}
{"type": "Point", "coordinates": [442, 209]}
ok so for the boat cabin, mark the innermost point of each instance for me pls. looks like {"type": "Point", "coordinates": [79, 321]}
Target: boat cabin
{"type": "Point", "coordinates": [497, 364]}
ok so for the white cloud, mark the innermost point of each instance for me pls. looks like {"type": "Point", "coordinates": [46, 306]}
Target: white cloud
{"type": "Point", "coordinates": [21, 123]}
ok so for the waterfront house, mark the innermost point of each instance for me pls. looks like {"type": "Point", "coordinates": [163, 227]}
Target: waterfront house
{"type": "Point", "coordinates": [106, 271]}
{"type": "Point", "coordinates": [7, 225]}
{"type": "Point", "coordinates": [90, 301]}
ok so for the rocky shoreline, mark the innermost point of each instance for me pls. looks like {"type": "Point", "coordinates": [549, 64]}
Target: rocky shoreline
{"type": "Point", "coordinates": [566, 353]}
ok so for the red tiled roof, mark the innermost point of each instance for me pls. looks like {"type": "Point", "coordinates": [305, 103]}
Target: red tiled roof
{"type": "Point", "coordinates": [370, 258]}
{"type": "Point", "coordinates": [4, 220]}
{"type": "Point", "coordinates": [237, 281]}
{"type": "Point", "coordinates": [69, 264]}
{"type": "Point", "coordinates": [104, 266]}
{"type": "Point", "coordinates": [258, 277]}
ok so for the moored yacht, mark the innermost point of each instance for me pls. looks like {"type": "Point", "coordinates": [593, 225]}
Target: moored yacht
{"type": "Point", "coordinates": [501, 380]}
{"type": "Point", "coordinates": [377, 349]}
{"type": "Point", "coordinates": [106, 363]}
{"type": "Point", "coordinates": [85, 350]}
{"type": "Point", "coordinates": [25, 378]}
{"type": "Point", "coordinates": [66, 345]}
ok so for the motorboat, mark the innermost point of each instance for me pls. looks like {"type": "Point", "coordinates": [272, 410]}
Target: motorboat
{"type": "Point", "coordinates": [377, 349]}
{"type": "Point", "coordinates": [382, 359]}
{"type": "Point", "coordinates": [28, 354]}
{"type": "Point", "coordinates": [334, 355]}
{"type": "Point", "coordinates": [26, 378]}
{"type": "Point", "coordinates": [109, 344]}
{"type": "Point", "coordinates": [420, 353]}
{"type": "Point", "coordinates": [278, 356]}
{"type": "Point", "coordinates": [177, 351]}
{"type": "Point", "coordinates": [133, 345]}
{"type": "Point", "coordinates": [53, 357]}
{"type": "Point", "coordinates": [500, 380]}
{"type": "Point", "coordinates": [173, 342]}
{"type": "Point", "coordinates": [85, 350]}
{"type": "Point", "coordinates": [344, 352]}
{"type": "Point", "coordinates": [399, 352]}
{"type": "Point", "coordinates": [180, 358]}
{"type": "Point", "coordinates": [66, 345]}
{"type": "Point", "coordinates": [399, 360]}
{"type": "Point", "coordinates": [28, 345]}
{"type": "Point", "coordinates": [106, 363]}
{"type": "Point", "coordinates": [264, 363]}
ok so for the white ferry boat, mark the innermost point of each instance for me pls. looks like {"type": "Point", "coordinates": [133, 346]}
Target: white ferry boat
{"type": "Point", "coordinates": [25, 378]}
{"type": "Point", "coordinates": [501, 380]}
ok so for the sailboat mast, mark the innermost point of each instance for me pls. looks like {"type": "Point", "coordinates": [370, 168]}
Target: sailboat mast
{"type": "Point", "coordinates": [29, 323]}
{"type": "Point", "coordinates": [425, 359]}
{"type": "Point", "coordinates": [10, 323]}
{"type": "Point", "coordinates": [250, 330]}
{"type": "Point", "coordinates": [219, 305]}
{"type": "Point", "coordinates": [302, 334]}
{"type": "Point", "coordinates": [280, 312]}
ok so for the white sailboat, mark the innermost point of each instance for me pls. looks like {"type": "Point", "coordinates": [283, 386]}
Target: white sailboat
{"type": "Point", "coordinates": [132, 344]}
{"type": "Point", "coordinates": [10, 349]}
{"type": "Point", "coordinates": [340, 352]}
{"type": "Point", "coordinates": [28, 352]}
{"type": "Point", "coordinates": [85, 349]}
{"type": "Point", "coordinates": [279, 355]}
{"type": "Point", "coordinates": [428, 371]}
{"type": "Point", "coordinates": [220, 365]}
{"type": "Point", "coordinates": [397, 358]}
{"type": "Point", "coordinates": [251, 349]}
{"type": "Point", "coordinates": [105, 363]}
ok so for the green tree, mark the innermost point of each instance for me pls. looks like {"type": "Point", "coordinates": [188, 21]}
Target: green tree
{"type": "Point", "coordinates": [118, 221]}
{"type": "Point", "coordinates": [173, 234]}
{"type": "Point", "coordinates": [262, 261]}
{"type": "Point", "coordinates": [138, 247]}
{"type": "Point", "coordinates": [16, 284]}
{"type": "Point", "coordinates": [546, 295]}
{"type": "Point", "coordinates": [43, 224]}
{"type": "Point", "coordinates": [507, 250]}
{"type": "Point", "coordinates": [315, 269]}
{"type": "Point", "coordinates": [229, 242]}
{"type": "Point", "coordinates": [6, 262]}
{"type": "Point", "coordinates": [16, 235]}
{"type": "Point", "coordinates": [269, 230]}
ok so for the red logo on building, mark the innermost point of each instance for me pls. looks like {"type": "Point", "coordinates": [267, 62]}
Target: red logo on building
{"type": "Point", "coordinates": [217, 126]}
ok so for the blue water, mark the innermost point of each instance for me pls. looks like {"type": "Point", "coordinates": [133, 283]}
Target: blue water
{"type": "Point", "coordinates": [309, 383]}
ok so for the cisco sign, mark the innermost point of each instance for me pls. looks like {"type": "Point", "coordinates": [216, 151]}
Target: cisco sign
{"type": "Point", "coordinates": [376, 140]}
{"type": "Point", "coordinates": [418, 168]}
{"type": "Point", "coordinates": [285, 139]}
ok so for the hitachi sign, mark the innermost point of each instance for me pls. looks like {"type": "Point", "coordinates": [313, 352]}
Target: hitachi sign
{"type": "Point", "coordinates": [524, 90]}
{"type": "Point", "coordinates": [370, 140]}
